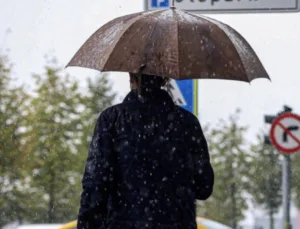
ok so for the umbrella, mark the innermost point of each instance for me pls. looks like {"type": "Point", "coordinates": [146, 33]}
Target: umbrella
{"type": "Point", "coordinates": [170, 43]}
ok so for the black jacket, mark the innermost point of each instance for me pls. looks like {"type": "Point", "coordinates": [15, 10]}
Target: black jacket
{"type": "Point", "coordinates": [147, 164]}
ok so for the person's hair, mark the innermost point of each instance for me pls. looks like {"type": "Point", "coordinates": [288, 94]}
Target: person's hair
{"type": "Point", "coordinates": [151, 80]}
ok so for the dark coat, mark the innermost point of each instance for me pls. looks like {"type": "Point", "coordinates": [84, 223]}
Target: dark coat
{"type": "Point", "coordinates": [147, 164]}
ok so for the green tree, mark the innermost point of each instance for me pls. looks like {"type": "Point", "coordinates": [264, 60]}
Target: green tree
{"type": "Point", "coordinates": [53, 135]}
{"type": "Point", "coordinates": [13, 182]}
{"type": "Point", "coordinates": [265, 181]}
{"type": "Point", "coordinates": [295, 159]}
{"type": "Point", "coordinates": [230, 160]}
{"type": "Point", "coordinates": [42, 142]}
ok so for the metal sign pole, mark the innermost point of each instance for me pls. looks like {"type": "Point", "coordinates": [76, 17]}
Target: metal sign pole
{"type": "Point", "coordinates": [286, 191]}
{"type": "Point", "coordinates": [285, 136]}
{"type": "Point", "coordinates": [196, 94]}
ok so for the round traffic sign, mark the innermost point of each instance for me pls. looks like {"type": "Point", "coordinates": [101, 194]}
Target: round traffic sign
{"type": "Point", "coordinates": [285, 133]}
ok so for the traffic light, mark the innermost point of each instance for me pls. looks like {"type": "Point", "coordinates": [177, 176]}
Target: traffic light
{"type": "Point", "coordinates": [270, 118]}
{"type": "Point", "coordinates": [285, 110]}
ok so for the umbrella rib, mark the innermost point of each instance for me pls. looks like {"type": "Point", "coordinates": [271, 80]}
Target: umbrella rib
{"type": "Point", "coordinates": [177, 35]}
{"type": "Point", "coordinates": [150, 35]}
{"type": "Point", "coordinates": [217, 23]}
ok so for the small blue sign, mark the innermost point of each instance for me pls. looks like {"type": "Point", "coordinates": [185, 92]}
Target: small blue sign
{"type": "Point", "coordinates": [159, 3]}
{"type": "Point", "coordinates": [185, 94]}
{"type": "Point", "coordinates": [186, 88]}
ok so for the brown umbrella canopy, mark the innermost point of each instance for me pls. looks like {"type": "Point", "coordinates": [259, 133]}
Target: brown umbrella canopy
{"type": "Point", "coordinates": [171, 43]}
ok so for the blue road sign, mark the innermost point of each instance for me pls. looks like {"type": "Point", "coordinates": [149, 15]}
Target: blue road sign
{"type": "Point", "coordinates": [185, 94]}
{"type": "Point", "coordinates": [187, 89]}
{"type": "Point", "coordinates": [159, 3]}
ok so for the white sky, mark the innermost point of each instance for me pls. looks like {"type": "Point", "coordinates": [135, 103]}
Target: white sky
{"type": "Point", "coordinates": [61, 26]}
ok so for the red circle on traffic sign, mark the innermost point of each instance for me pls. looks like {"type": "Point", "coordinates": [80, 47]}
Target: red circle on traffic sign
{"type": "Point", "coordinates": [278, 122]}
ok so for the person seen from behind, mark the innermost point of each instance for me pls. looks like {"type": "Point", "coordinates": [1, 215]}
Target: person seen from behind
{"type": "Point", "coordinates": [148, 162]}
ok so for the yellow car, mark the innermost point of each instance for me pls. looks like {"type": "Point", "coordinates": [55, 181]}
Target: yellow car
{"type": "Point", "coordinates": [70, 225]}
{"type": "Point", "coordinates": [202, 223]}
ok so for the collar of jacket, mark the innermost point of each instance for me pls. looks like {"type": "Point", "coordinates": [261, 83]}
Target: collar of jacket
{"type": "Point", "coordinates": [151, 95]}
